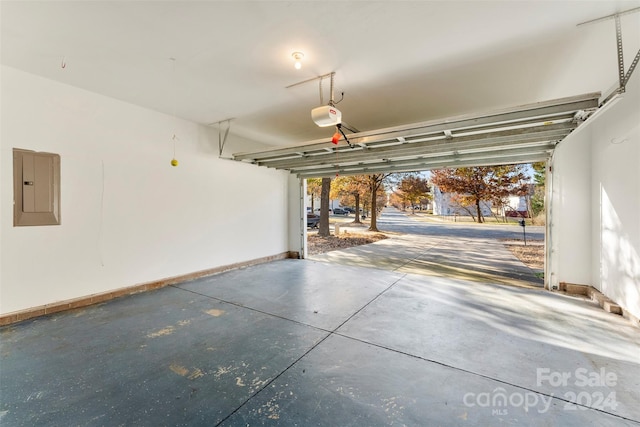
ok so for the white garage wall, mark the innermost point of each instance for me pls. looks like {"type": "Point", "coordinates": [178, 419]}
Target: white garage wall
{"type": "Point", "coordinates": [297, 223]}
{"type": "Point", "coordinates": [615, 192]}
{"type": "Point", "coordinates": [570, 240]}
{"type": "Point", "coordinates": [595, 234]}
{"type": "Point", "coordinates": [128, 216]}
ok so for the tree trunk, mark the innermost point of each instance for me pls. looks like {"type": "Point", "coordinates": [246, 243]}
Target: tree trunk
{"type": "Point", "coordinates": [357, 196]}
{"type": "Point", "coordinates": [470, 212]}
{"type": "Point", "coordinates": [479, 211]}
{"type": "Point", "coordinates": [495, 213]}
{"type": "Point", "coordinates": [374, 202]}
{"type": "Point", "coordinates": [323, 230]}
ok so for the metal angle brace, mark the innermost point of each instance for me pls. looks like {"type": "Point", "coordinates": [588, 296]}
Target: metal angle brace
{"type": "Point", "coordinates": [222, 140]}
{"type": "Point", "coordinates": [623, 78]}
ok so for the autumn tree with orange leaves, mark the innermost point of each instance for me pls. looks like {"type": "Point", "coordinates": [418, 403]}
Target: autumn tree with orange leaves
{"type": "Point", "coordinates": [412, 190]}
{"type": "Point", "coordinates": [349, 190]}
{"type": "Point", "coordinates": [475, 184]}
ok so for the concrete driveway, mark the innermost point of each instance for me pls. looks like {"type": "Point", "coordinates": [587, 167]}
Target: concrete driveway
{"type": "Point", "coordinates": [454, 250]}
{"type": "Point", "coordinates": [311, 343]}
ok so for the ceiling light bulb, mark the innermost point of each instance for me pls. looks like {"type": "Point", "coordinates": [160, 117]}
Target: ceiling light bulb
{"type": "Point", "coordinates": [297, 57]}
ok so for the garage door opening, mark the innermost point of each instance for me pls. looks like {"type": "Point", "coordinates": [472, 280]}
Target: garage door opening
{"type": "Point", "coordinates": [523, 134]}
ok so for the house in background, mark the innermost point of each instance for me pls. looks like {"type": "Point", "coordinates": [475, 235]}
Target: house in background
{"type": "Point", "coordinates": [516, 206]}
{"type": "Point", "coordinates": [447, 204]}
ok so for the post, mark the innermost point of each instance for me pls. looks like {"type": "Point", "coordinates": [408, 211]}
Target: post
{"type": "Point", "coordinates": [524, 233]}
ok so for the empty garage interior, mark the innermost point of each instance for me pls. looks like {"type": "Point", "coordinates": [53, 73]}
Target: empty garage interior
{"type": "Point", "coordinates": [116, 91]}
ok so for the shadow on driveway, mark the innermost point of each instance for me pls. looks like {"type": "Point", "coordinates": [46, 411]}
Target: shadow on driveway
{"type": "Point", "coordinates": [461, 251]}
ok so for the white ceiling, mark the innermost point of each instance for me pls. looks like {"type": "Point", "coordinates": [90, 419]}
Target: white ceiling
{"type": "Point", "coordinates": [397, 62]}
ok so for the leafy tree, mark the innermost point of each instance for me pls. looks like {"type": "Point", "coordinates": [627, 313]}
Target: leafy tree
{"type": "Point", "coordinates": [474, 184]}
{"type": "Point", "coordinates": [460, 202]}
{"type": "Point", "coordinates": [314, 186]}
{"type": "Point", "coordinates": [520, 187]}
{"type": "Point", "coordinates": [349, 189]}
{"type": "Point", "coordinates": [412, 189]}
{"type": "Point", "coordinates": [539, 176]}
{"type": "Point", "coordinates": [376, 185]}
{"type": "Point", "coordinates": [323, 227]}
{"type": "Point", "coordinates": [397, 200]}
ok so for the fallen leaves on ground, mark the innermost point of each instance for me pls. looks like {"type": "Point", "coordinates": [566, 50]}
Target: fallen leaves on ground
{"type": "Point", "coordinates": [317, 245]}
{"type": "Point", "coordinates": [531, 255]}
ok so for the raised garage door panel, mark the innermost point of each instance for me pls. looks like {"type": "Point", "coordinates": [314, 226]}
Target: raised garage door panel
{"type": "Point", "coordinates": [520, 134]}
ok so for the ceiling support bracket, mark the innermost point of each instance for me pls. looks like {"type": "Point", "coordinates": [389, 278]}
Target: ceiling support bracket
{"type": "Point", "coordinates": [633, 66]}
{"type": "Point", "coordinates": [222, 140]}
{"type": "Point", "coordinates": [620, 52]}
{"type": "Point", "coordinates": [623, 78]}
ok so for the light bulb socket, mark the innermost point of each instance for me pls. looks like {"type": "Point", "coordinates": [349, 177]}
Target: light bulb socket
{"type": "Point", "coordinates": [297, 57]}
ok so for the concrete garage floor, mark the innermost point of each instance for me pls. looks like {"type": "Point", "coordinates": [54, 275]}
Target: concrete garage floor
{"type": "Point", "coordinates": [308, 343]}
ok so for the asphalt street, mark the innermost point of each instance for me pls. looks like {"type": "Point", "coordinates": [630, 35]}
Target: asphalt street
{"type": "Point", "coordinates": [400, 222]}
